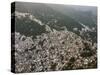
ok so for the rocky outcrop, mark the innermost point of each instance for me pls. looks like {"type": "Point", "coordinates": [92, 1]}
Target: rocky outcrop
{"type": "Point", "coordinates": [59, 50]}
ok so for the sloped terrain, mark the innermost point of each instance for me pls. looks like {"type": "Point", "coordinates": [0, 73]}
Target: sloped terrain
{"type": "Point", "coordinates": [53, 51]}
{"type": "Point", "coordinates": [81, 18]}
{"type": "Point", "coordinates": [52, 37]}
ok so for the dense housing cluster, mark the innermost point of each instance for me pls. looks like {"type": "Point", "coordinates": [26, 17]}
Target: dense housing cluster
{"type": "Point", "coordinates": [60, 50]}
